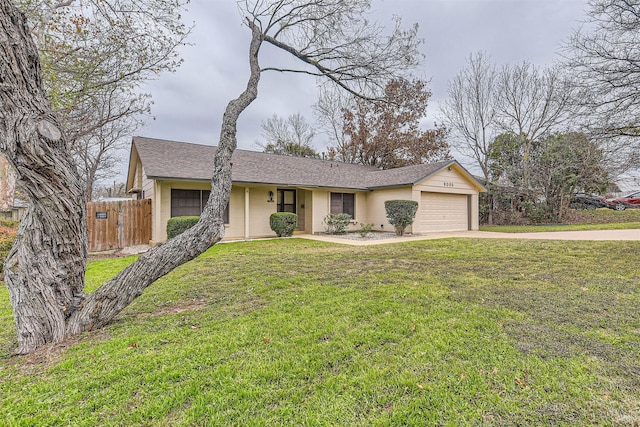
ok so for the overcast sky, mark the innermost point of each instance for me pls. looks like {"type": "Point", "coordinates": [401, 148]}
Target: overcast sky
{"type": "Point", "coordinates": [189, 104]}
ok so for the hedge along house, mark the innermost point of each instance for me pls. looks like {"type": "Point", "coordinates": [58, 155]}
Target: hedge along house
{"type": "Point", "coordinates": [176, 177]}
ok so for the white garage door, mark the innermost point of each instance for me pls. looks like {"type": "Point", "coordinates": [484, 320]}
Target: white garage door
{"type": "Point", "coordinates": [443, 212]}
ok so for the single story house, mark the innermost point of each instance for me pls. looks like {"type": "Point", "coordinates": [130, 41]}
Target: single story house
{"type": "Point", "coordinates": [176, 177]}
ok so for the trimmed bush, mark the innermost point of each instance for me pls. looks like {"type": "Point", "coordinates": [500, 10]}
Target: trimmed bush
{"type": "Point", "coordinates": [336, 223]}
{"type": "Point", "coordinates": [401, 213]}
{"type": "Point", "coordinates": [180, 224]}
{"type": "Point", "coordinates": [283, 223]}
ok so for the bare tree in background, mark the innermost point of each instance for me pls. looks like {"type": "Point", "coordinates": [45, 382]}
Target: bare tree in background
{"type": "Point", "coordinates": [518, 103]}
{"type": "Point", "coordinates": [519, 99]}
{"type": "Point", "coordinates": [97, 151]}
{"type": "Point", "coordinates": [530, 104]}
{"type": "Point", "coordinates": [292, 136]}
{"type": "Point", "coordinates": [96, 56]}
{"type": "Point", "coordinates": [45, 269]}
{"type": "Point", "coordinates": [329, 114]}
{"type": "Point", "coordinates": [470, 112]}
{"type": "Point", "coordinates": [115, 189]}
{"type": "Point", "coordinates": [602, 58]}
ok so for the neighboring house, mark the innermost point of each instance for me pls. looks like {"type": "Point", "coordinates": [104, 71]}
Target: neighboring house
{"type": "Point", "coordinates": [176, 177]}
{"type": "Point", "coordinates": [7, 186]}
{"type": "Point", "coordinates": [18, 210]}
{"type": "Point", "coordinates": [10, 206]}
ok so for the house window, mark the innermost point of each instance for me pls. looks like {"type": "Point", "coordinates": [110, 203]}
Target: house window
{"type": "Point", "coordinates": [287, 201]}
{"type": "Point", "coordinates": [191, 203]}
{"type": "Point", "coordinates": [343, 203]}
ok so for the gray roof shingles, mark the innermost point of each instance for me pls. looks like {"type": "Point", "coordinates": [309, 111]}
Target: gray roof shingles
{"type": "Point", "coordinates": [163, 159]}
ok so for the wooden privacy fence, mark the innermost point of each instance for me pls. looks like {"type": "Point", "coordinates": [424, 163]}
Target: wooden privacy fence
{"type": "Point", "coordinates": [119, 224]}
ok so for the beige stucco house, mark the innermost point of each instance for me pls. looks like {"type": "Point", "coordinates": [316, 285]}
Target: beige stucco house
{"type": "Point", "coordinates": [176, 177]}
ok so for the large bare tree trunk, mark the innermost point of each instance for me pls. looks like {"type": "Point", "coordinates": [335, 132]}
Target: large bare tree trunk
{"type": "Point", "coordinates": [45, 269]}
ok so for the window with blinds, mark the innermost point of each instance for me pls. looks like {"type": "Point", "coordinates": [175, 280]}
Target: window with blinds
{"type": "Point", "coordinates": [191, 203]}
{"type": "Point", "coordinates": [343, 203]}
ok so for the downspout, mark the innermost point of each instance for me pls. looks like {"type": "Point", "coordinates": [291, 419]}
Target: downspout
{"type": "Point", "coordinates": [246, 213]}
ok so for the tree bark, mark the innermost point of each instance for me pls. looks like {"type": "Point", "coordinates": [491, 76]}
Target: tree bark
{"type": "Point", "coordinates": [45, 269]}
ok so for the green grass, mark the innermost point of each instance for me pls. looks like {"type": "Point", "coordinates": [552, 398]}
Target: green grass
{"type": "Point", "coordinates": [568, 227]}
{"type": "Point", "coordinates": [599, 219]}
{"type": "Point", "coordinates": [609, 215]}
{"type": "Point", "coordinates": [294, 332]}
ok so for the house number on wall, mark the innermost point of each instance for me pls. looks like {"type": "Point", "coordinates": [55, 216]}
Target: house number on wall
{"type": "Point", "coordinates": [448, 184]}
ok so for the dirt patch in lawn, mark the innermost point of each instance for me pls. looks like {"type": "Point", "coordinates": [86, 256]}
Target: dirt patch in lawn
{"type": "Point", "coordinates": [198, 304]}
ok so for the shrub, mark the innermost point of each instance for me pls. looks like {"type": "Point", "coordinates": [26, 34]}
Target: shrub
{"type": "Point", "coordinates": [365, 229]}
{"type": "Point", "coordinates": [283, 223]}
{"type": "Point", "coordinates": [180, 224]}
{"type": "Point", "coordinates": [539, 213]}
{"type": "Point", "coordinates": [401, 213]}
{"type": "Point", "coordinates": [336, 223]}
{"type": "Point", "coordinates": [11, 223]}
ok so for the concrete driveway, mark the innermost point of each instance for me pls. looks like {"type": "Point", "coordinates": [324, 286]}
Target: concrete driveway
{"type": "Point", "coordinates": [555, 235]}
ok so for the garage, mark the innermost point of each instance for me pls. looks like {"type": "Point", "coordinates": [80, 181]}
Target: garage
{"type": "Point", "coordinates": [443, 212]}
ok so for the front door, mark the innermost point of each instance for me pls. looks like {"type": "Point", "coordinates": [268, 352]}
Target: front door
{"type": "Point", "coordinates": [287, 201]}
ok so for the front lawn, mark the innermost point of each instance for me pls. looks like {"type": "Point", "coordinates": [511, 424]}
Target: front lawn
{"type": "Point", "coordinates": [296, 332]}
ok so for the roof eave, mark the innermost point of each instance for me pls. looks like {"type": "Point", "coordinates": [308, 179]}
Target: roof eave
{"type": "Point", "coordinates": [278, 184]}
{"type": "Point", "coordinates": [133, 155]}
{"type": "Point", "coordinates": [396, 185]}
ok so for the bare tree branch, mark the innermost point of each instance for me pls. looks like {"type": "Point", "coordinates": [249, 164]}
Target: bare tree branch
{"type": "Point", "coordinates": [604, 59]}
{"type": "Point", "coordinates": [95, 51]}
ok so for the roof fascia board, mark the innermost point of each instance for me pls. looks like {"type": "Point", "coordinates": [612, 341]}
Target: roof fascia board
{"type": "Point", "coordinates": [461, 170]}
{"type": "Point", "coordinates": [260, 184]}
{"type": "Point", "coordinates": [131, 170]}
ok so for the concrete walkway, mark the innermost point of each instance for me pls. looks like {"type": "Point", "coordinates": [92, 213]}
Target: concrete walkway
{"type": "Point", "coordinates": [555, 235]}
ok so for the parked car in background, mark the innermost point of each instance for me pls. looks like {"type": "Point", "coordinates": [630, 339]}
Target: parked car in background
{"type": "Point", "coordinates": [587, 201]}
{"type": "Point", "coordinates": [621, 203]}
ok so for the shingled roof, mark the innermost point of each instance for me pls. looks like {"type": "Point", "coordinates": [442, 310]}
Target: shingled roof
{"type": "Point", "coordinates": [172, 160]}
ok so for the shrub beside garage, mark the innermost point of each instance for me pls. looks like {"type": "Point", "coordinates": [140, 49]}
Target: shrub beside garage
{"type": "Point", "coordinates": [401, 213]}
